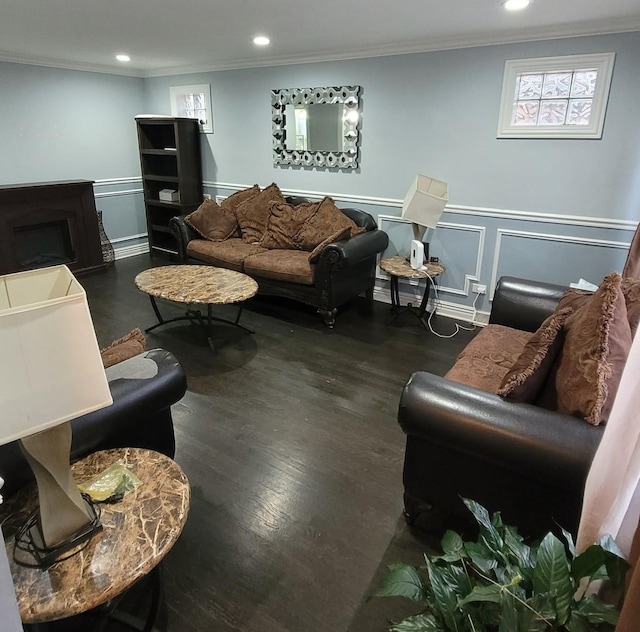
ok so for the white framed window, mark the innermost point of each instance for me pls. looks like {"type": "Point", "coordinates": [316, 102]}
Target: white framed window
{"type": "Point", "coordinates": [555, 97]}
{"type": "Point", "coordinates": [193, 102]}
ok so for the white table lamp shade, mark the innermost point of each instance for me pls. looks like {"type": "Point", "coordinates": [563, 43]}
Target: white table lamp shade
{"type": "Point", "coordinates": [425, 201]}
{"type": "Point", "coordinates": [51, 370]}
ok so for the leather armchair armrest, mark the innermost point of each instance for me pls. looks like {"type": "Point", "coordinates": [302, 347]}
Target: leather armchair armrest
{"type": "Point", "coordinates": [524, 304]}
{"type": "Point", "coordinates": [523, 438]}
{"type": "Point", "coordinates": [348, 252]}
{"type": "Point", "coordinates": [183, 234]}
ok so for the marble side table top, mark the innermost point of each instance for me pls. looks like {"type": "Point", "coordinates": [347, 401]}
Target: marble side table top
{"type": "Point", "coordinates": [399, 266]}
{"type": "Point", "coordinates": [196, 284]}
{"type": "Point", "coordinates": [137, 533]}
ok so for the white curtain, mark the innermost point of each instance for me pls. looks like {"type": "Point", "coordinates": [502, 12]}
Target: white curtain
{"type": "Point", "coordinates": [612, 493]}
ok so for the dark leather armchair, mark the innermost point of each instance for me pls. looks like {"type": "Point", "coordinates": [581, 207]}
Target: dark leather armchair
{"type": "Point", "coordinates": [143, 389]}
{"type": "Point", "coordinates": [527, 462]}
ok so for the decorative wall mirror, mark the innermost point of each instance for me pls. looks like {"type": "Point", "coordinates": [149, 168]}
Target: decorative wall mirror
{"type": "Point", "coordinates": [316, 127]}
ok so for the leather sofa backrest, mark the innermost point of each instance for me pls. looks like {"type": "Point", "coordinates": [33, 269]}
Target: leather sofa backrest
{"type": "Point", "coordinates": [508, 305]}
{"type": "Point", "coordinates": [359, 217]}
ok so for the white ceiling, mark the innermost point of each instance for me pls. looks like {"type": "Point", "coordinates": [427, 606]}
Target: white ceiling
{"type": "Point", "coordinates": [165, 37]}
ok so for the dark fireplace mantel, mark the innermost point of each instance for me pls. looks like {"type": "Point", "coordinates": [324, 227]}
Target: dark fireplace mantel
{"type": "Point", "coordinates": [48, 223]}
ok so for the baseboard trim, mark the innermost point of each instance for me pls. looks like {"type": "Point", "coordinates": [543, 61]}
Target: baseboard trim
{"type": "Point", "coordinates": [443, 308]}
{"type": "Point", "coordinates": [131, 251]}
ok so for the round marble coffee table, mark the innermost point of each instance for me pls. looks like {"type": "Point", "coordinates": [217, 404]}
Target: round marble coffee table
{"type": "Point", "coordinates": [137, 532]}
{"type": "Point", "coordinates": [397, 266]}
{"type": "Point", "coordinates": [194, 284]}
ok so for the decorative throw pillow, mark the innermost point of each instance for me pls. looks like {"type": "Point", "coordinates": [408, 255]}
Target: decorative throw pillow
{"type": "Point", "coordinates": [597, 342]}
{"type": "Point", "coordinates": [525, 378]}
{"type": "Point", "coordinates": [233, 201]}
{"type": "Point", "coordinates": [574, 299]}
{"type": "Point", "coordinates": [284, 223]}
{"type": "Point", "coordinates": [325, 223]}
{"type": "Point", "coordinates": [253, 213]}
{"type": "Point", "coordinates": [212, 222]}
{"type": "Point", "coordinates": [631, 291]}
{"type": "Point", "coordinates": [343, 233]}
{"type": "Point", "coordinates": [124, 348]}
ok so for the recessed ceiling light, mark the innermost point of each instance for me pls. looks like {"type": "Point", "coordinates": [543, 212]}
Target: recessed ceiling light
{"type": "Point", "coordinates": [515, 5]}
{"type": "Point", "coordinates": [123, 58]}
{"type": "Point", "coordinates": [261, 40]}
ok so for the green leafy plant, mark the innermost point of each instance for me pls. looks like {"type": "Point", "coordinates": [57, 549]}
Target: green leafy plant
{"type": "Point", "coordinates": [500, 584]}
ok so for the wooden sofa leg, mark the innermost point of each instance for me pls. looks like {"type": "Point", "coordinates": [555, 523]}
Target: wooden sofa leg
{"type": "Point", "coordinates": [424, 515]}
{"type": "Point", "coordinates": [329, 316]}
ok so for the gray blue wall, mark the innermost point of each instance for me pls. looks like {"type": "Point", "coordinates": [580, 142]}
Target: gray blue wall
{"type": "Point", "coordinates": [58, 124]}
{"type": "Point", "coordinates": [547, 209]}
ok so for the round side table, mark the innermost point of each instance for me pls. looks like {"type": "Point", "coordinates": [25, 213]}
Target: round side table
{"type": "Point", "coordinates": [137, 532]}
{"type": "Point", "coordinates": [397, 267]}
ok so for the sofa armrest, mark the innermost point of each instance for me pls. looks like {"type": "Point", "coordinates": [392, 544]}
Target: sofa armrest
{"type": "Point", "coordinates": [183, 234]}
{"type": "Point", "coordinates": [534, 442]}
{"type": "Point", "coordinates": [524, 304]}
{"type": "Point", "coordinates": [348, 252]}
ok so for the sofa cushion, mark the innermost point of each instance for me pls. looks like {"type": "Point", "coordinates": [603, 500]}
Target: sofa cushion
{"type": "Point", "coordinates": [282, 265]}
{"type": "Point", "coordinates": [497, 344]}
{"type": "Point", "coordinates": [233, 201]}
{"type": "Point", "coordinates": [478, 372]}
{"type": "Point", "coordinates": [597, 342]}
{"type": "Point", "coordinates": [212, 221]}
{"type": "Point", "coordinates": [526, 377]}
{"type": "Point", "coordinates": [285, 220]}
{"type": "Point", "coordinates": [124, 348]}
{"type": "Point", "coordinates": [325, 223]}
{"type": "Point", "coordinates": [253, 213]}
{"type": "Point", "coordinates": [230, 253]}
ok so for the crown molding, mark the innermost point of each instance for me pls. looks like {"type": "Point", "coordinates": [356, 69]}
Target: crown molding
{"type": "Point", "coordinates": [432, 45]}
{"type": "Point", "coordinates": [12, 58]}
{"type": "Point", "coordinates": [586, 29]}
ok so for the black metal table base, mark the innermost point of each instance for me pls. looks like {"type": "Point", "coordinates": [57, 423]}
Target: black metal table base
{"type": "Point", "coordinates": [418, 312]}
{"type": "Point", "coordinates": [195, 315]}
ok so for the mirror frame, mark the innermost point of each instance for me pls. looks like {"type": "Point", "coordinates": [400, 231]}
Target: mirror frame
{"type": "Point", "coordinates": [349, 96]}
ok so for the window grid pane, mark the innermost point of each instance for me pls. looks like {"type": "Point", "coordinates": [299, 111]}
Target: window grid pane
{"type": "Point", "coordinates": [549, 99]}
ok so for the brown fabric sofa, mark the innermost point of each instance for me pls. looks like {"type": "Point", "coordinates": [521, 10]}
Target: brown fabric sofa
{"type": "Point", "coordinates": [516, 421]}
{"type": "Point", "coordinates": [312, 252]}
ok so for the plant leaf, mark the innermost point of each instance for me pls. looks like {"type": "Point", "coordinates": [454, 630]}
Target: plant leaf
{"type": "Point", "coordinates": [488, 531]}
{"type": "Point", "coordinates": [595, 611]}
{"type": "Point", "coordinates": [614, 560]}
{"type": "Point", "coordinates": [588, 563]}
{"type": "Point", "coordinates": [452, 544]}
{"type": "Point", "coordinates": [570, 543]}
{"type": "Point", "coordinates": [518, 551]}
{"type": "Point", "coordinates": [576, 623]}
{"type": "Point", "coordinates": [418, 623]}
{"type": "Point", "coordinates": [551, 575]}
{"type": "Point", "coordinates": [445, 602]}
{"type": "Point", "coordinates": [402, 580]}
{"type": "Point", "coordinates": [482, 593]}
{"type": "Point", "coordinates": [480, 556]}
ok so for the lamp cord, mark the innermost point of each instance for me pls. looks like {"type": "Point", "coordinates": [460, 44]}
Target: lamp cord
{"type": "Point", "coordinates": [459, 327]}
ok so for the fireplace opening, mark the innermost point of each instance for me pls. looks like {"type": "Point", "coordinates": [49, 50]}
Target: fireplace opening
{"type": "Point", "coordinates": [42, 245]}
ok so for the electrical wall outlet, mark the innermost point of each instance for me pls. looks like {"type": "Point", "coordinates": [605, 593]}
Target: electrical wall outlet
{"type": "Point", "coordinates": [478, 288]}
{"type": "Point", "coordinates": [207, 196]}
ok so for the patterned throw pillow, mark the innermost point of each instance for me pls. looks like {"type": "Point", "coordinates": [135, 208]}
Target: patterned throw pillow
{"type": "Point", "coordinates": [284, 223]}
{"type": "Point", "coordinates": [525, 378]}
{"type": "Point", "coordinates": [596, 345]}
{"type": "Point", "coordinates": [212, 221]}
{"type": "Point", "coordinates": [232, 202]}
{"type": "Point", "coordinates": [253, 213]}
{"type": "Point", "coordinates": [124, 348]}
{"type": "Point", "coordinates": [631, 291]}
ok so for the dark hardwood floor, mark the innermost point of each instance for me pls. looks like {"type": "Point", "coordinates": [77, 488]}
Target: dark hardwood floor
{"type": "Point", "coordinates": [290, 441]}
